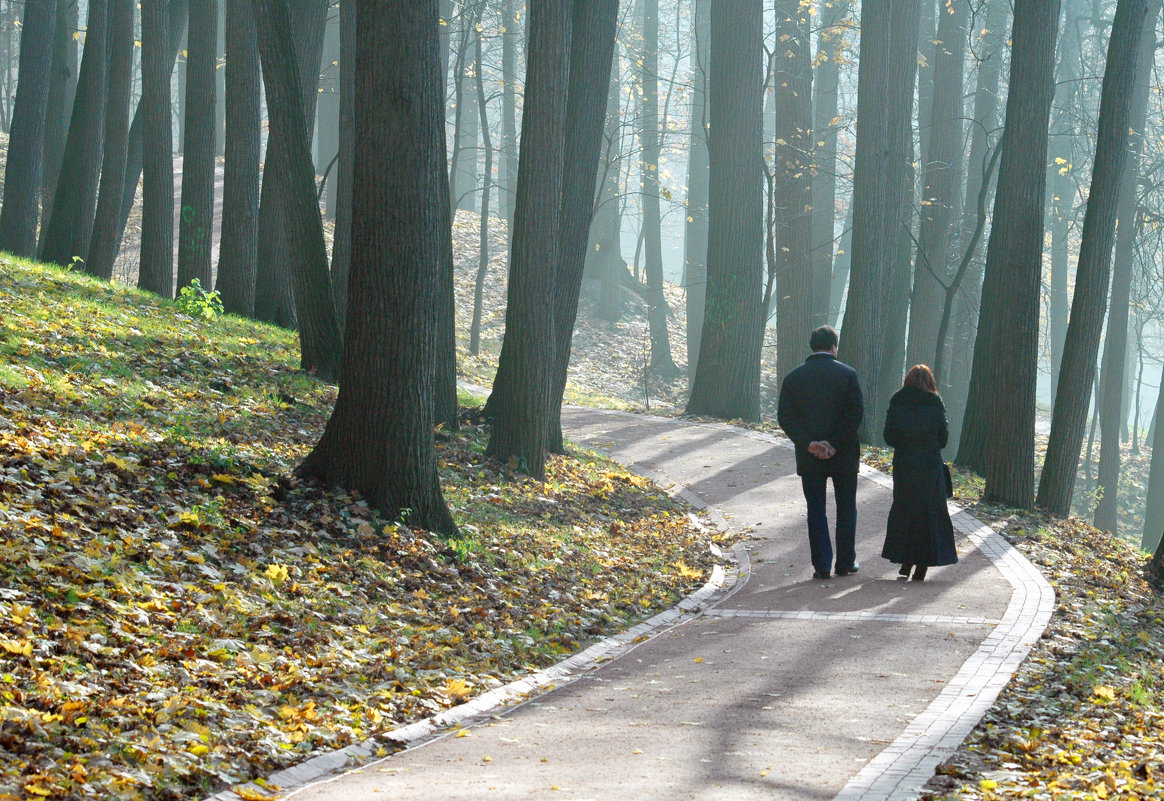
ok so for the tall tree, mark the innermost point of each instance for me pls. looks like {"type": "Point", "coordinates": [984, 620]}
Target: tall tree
{"type": "Point", "coordinates": [196, 221]}
{"type": "Point", "coordinates": [327, 113]}
{"type": "Point", "coordinates": [61, 99]}
{"type": "Point", "coordinates": [289, 159]}
{"type": "Point", "coordinates": [727, 379]}
{"type": "Point", "coordinates": [1093, 270]}
{"type": "Point", "coordinates": [518, 405]}
{"type": "Point", "coordinates": [695, 232]}
{"type": "Point", "coordinates": [885, 83]}
{"type": "Point", "coordinates": [508, 162]}
{"type": "Point", "coordinates": [156, 273]}
{"type": "Point", "coordinates": [486, 195]}
{"type": "Point", "coordinates": [379, 438]}
{"type": "Point", "coordinates": [104, 245]}
{"type": "Point", "coordinates": [26, 141]}
{"type": "Point", "coordinates": [463, 162]}
{"type": "Point", "coordinates": [275, 300]}
{"type": "Point", "coordinates": [1113, 387]}
{"type": "Point", "coordinates": [657, 309]}
{"type": "Point", "coordinates": [341, 254]}
{"type": "Point", "coordinates": [606, 232]}
{"type": "Point", "coordinates": [591, 57]}
{"type": "Point", "coordinates": [832, 42]}
{"type": "Point", "coordinates": [792, 180]}
{"type": "Point", "coordinates": [70, 224]}
{"type": "Point", "coordinates": [1006, 350]}
{"type": "Point", "coordinates": [238, 249]}
{"type": "Point", "coordinates": [942, 176]}
{"type": "Point", "coordinates": [1154, 502]}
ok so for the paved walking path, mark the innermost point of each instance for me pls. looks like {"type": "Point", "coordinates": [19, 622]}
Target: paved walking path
{"type": "Point", "coordinates": [766, 684]}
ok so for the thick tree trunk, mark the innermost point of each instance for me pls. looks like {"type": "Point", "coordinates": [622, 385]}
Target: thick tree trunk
{"type": "Point", "coordinates": [220, 84]}
{"type": "Point", "coordinates": [379, 438]}
{"type": "Point", "coordinates": [70, 225]}
{"type": "Point", "coordinates": [695, 232]}
{"type": "Point", "coordinates": [1115, 349]}
{"type": "Point", "coordinates": [21, 207]}
{"type": "Point", "coordinates": [592, 46]}
{"type": "Point", "coordinates": [507, 194]}
{"type": "Point", "coordinates": [829, 55]}
{"type": "Point", "coordinates": [885, 103]}
{"type": "Point", "coordinates": [289, 160]}
{"type": "Point", "coordinates": [1093, 271]}
{"type": "Point", "coordinates": [519, 405]}
{"type": "Point", "coordinates": [341, 253]}
{"type": "Point", "coordinates": [239, 247]}
{"type": "Point", "coordinates": [196, 222]}
{"type": "Point", "coordinates": [1006, 350]}
{"type": "Point", "coordinates": [275, 300]}
{"type": "Point", "coordinates": [1154, 501]}
{"type": "Point", "coordinates": [178, 11]}
{"type": "Point", "coordinates": [58, 111]}
{"type": "Point", "coordinates": [727, 379]}
{"type": "Point", "coordinates": [942, 176]}
{"type": "Point", "coordinates": [792, 168]}
{"type": "Point", "coordinates": [104, 245]}
{"type": "Point", "coordinates": [156, 273]}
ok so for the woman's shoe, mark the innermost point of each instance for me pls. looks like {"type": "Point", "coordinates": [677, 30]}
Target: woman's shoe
{"type": "Point", "coordinates": [904, 572]}
{"type": "Point", "coordinates": [919, 573]}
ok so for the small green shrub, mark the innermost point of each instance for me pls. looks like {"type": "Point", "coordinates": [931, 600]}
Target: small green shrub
{"type": "Point", "coordinates": [194, 301]}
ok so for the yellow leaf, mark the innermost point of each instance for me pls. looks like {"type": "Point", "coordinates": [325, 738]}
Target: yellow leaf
{"type": "Point", "coordinates": [988, 784]}
{"type": "Point", "coordinates": [1104, 692]}
{"type": "Point", "coordinates": [248, 792]}
{"type": "Point", "coordinates": [462, 733]}
{"type": "Point", "coordinates": [199, 750]}
{"type": "Point", "coordinates": [23, 647]}
{"type": "Point", "coordinates": [38, 789]}
{"type": "Point", "coordinates": [486, 758]}
{"type": "Point", "coordinates": [699, 659]}
{"type": "Point", "coordinates": [223, 478]}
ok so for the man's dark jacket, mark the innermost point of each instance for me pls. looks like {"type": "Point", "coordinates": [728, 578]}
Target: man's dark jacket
{"type": "Point", "coordinates": [821, 400]}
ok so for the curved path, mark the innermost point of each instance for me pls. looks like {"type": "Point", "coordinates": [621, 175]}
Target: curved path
{"type": "Point", "coordinates": [766, 684]}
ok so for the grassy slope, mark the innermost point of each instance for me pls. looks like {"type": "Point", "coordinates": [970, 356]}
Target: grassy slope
{"type": "Point", "coordinates": [176, 615]}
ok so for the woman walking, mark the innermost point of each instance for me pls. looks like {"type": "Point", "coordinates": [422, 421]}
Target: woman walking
{"type": "Point", "coordinates": [919, 534]}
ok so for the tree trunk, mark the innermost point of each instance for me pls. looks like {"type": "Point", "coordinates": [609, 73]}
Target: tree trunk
{"type": "Point", "coordinates": [942, 175]}
{"type": "Point", "coordinates": [486, 187]}
{"type": "Point", "coordinates": [103, 246]}
{"type": "Point", "coordinates": [519, 403]}
{"type": "Point", "coordinates": [21, 207]}
{"type": "Point", "coordinates": [238, 249]}
{"type": "Point", "coordinates": [885, 103]}
{"type": "Point", "coordinates": [1115, 348]}
{"type": "Point", "coordinates": [178, 10]}
{"type": "Point", "coordinates": [327, 114]}
{"type": "Point", "coordinates": [70, 225]}
{"type": "Point", "coordinates": [463, 163]}
{"type": "Point", "coordinates": [1093, 271]}
{"type": "Point", "coordinates": [1154, 500]}
{"type": "Point", "coordinates": [58, 111]}
{"type": "Point", "coordinates": [508, 161]}
{"type": "Point", "coordinates": [1006, 350]}
{"type": "Point", "coordinates": [829, 55]}
{"type": "Point", "coordinates": [727, 379]}
{"type": "Point", "coordinates": [379, 438]}
{"type": "Point", "coordinates": [606, 232]}
{"type": "Point", "coordinates": [289, 151]}
{"type": "Point", "coordinates": [275, 300]}
{"type": "Point", "coordinates": [220, 84]}
{"type": "Point", "coordinates": [341, 253]}
{"type": "Point", "coordinates": [989, 48]}
{"type": "Point", "coordinates": [196, 223]}
{"type": "Point", "coordinates": [156, 273]}
{"type": "Point", "coordinates": [840, 277]}
{"type": "Point", "coordinates": [592, 46]}
{"type": "Point", "coordinates": [695, 231]}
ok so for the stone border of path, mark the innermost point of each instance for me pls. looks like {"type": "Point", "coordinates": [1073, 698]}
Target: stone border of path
{"type": "Point", "coordinates": [897, 773]}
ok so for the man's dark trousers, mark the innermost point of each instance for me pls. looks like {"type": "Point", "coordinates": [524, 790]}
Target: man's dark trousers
{"type": "Point", "coordinates": [819, 541]}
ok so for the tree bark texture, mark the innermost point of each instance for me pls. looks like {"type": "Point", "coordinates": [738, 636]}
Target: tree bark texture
{"type": "Point", "coordinates": [1093, 270]}
{"type": "Point", "coordinates": [591, 55]}
{"type": "Point", "coordinates": [379, 438]}
{"type": "Point", "coordinates": [1113, 386]}
{"type": "Point", "coordinates": [792, 169]}
{"type": "Point", "coordinates": [196, 218]}
{"type": "Point", "coordinates": [70, 224]}
{"type": "Point", "coordinates": [445, 377]}
{"type": "Point", "coordinates": [486, 195]}
{"type": "Point", "coordinates": [885, 82]}
{"type": "Point", "coordinates": [825, 84]}
{"type": "Point", "coordinates": [1006, 350]}
{"type": "Point", "coordinates": [156, 272]}
{"type": "Point", "coordinates": [275, 300]}
{"type": "Point", "coordinates": [942, 176]}
{"type": "Point", "coordinates": [695, 231]}
{"type": "Point", "coordinates": [341, 249]}
{"type": "Point", "coordinates": [239, 247]}
{"type": "Point", "coordinates": [519, 403]}
{"type": "Point", "coordinates": [61, 98]}
{"type": "Point", "coordinates": [1154, 507]}
{"type": "Point", "coordinates": [606, 232]}
{"type": "Point", "coordinates": [103, 246]}
{"type": "Point", "coordinates": [21, 207]}
{"type": "Point", "coordinates": [508, 161]}
{"type": "Point", "coordinates": [327, 113]}
{"type": "Point", "coordinates": [289, 163]}
{"type": "Point", "coordinates": [727, 380]}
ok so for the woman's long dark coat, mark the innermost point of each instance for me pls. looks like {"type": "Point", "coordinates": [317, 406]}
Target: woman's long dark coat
{"type": "Point", "coordinates": [919, 531]}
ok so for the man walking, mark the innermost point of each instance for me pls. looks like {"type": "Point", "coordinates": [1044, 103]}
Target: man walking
{"type": "Point", "coordinates": [820, 411]}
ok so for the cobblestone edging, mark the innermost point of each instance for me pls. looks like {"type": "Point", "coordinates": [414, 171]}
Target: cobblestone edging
{"type": "Point", "coordinates": [722, 585]}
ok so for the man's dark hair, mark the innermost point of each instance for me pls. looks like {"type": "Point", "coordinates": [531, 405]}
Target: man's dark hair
{"type": "Point", "coordinates": [823, 338]}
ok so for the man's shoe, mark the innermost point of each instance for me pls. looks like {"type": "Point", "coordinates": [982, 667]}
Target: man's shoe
{"type": "Point", "coordinates": [848, 571]}
{"type": "Point", "coordinates": [821, 574]}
